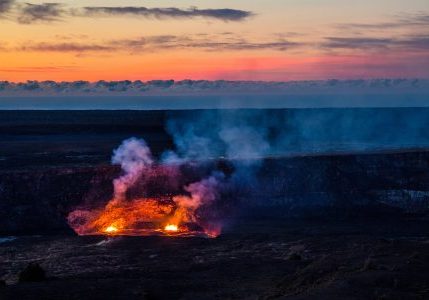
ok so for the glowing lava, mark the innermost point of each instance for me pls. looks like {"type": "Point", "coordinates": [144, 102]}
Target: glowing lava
{"type": "Point", "coordinates": [177, 211]}
{"type": "Point", "coordinates": [111, 229]}
{"type": "Point", "coordinates": [171, 228]}
{"type": "Point", "coordinates": [142, 217]}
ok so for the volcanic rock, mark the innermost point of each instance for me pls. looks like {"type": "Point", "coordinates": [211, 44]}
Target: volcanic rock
{"type": "Point", "coordinates": [369, 265]}
{"type": "Point", "coordinates": [294, 256]}
{"type": "Point", "coordinates": [32, 273]}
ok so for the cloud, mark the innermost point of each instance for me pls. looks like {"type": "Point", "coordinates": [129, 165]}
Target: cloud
{"type": "Point", "coordinates": [225, 14]}
{"type": "Point", "coordinates": [416, 42]}
{"type": "Point", "coordinates": [401, 32]}
{"type": "Point", "coordinates": [37, 69]}
{"type": "Point", "coordinates": [402, 21]}
{"type": "Point", "coordinates": [411, 43]}
{"type": "Point", "coordinates": [165, 42]}
{"type": "Point", "coordinates": [221, 42]}
{"type": "Point", "coordinates": [356, 42]}
{"type": "Point", "coordinates": [65, 47]}
{"type": "Point", "coordinates": [27, 13]}
{"type": "Point", "coordinates": [6, 6]}
{"type": "Point", "coordinates": [184, 87]}
{"type": "Point", "coordinates": [46, 12]}
{"type": "Point", "coordinates": [206, 43]}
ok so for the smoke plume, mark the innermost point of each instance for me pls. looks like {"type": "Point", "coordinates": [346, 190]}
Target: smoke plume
{"type": "Point", "coordinates": [245, 138]}
{"type": "Point", "coordinates": [135, 159]}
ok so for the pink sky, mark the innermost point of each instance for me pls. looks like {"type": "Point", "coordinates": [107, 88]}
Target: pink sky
{"type": "Point", "coordinates": [262, 40]}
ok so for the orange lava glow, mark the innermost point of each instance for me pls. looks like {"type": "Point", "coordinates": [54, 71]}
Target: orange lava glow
{"type": "Point", "coordinates": [171, 227]}
{"type": "Point", "coordinates": [111, 229]}
{"type": "Point", "coordinates": [139, 217]}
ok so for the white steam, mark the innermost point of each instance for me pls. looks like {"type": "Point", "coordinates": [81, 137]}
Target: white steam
{"type": "Point", "coordinates": [135, 158]}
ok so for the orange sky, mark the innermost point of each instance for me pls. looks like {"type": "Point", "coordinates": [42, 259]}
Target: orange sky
{"type": "Point", "coordinates": [269, 40]}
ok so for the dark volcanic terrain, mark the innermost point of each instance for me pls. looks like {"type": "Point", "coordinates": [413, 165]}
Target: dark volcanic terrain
{"type": "Point", "coordinates": [258, 259]}
{"type": "Point", "coordinates": [326, 219]}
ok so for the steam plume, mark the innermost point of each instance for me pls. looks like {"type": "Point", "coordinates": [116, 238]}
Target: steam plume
{"type": "Point", "coordinates": [135, 158]}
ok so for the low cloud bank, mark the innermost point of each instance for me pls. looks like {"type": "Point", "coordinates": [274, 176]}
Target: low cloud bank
{"type": "Point", "coordinates": [204, 87]}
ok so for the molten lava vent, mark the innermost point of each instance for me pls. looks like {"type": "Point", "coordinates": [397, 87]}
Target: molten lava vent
{"type": "Point", "coordinates": [175, 210]}
{"type": "Point", "coordinates": [143, 217]}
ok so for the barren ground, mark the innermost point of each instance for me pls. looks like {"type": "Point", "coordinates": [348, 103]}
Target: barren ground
{"type": "Point", "coordinates": [264, 259]}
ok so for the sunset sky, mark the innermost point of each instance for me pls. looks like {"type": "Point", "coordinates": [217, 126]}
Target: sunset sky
{"type": "Point", "coordinates": [213, 39]}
